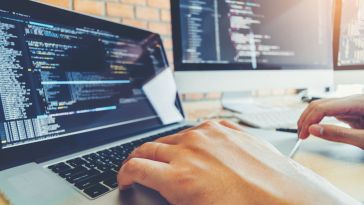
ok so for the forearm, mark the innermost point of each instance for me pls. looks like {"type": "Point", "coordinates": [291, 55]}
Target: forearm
{"type": "Point", "coordinates": [317, 190]}
{"type": "Point", "coordinates": [292, 183]}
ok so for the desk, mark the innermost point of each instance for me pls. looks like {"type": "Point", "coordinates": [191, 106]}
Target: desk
{"type": "Point", "coordinates": [347, 176]}
{"type": "Point", "coordinates": [3, 201]}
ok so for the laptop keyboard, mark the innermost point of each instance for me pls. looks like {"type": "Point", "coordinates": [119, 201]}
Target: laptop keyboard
{"type": "Point", "coordinates": [95, 174]}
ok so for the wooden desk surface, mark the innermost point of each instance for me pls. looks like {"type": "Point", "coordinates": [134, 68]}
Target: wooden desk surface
{"type": "Point", "coordinates": [347, 176]}
{"type": "Point", "coordinates": [3, 201]}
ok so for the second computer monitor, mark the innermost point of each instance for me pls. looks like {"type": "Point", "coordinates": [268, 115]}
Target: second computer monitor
{"type": "Point", "coordinates": [231, 45]}
{"type": "Point", "coordinates": [349, 42]}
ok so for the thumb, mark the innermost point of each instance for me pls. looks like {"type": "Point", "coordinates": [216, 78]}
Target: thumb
{"type": "Point", "coordinates": [339, 134]}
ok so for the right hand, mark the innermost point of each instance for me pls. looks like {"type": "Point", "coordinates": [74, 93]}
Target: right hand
{"type": "Point", "coordinates": [349, 110]}
{"type": "Point", "coordinates": [218, 163]}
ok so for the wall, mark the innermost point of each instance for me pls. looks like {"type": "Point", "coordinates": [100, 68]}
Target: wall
{"type": "Point", "coordinates": [153, 15]}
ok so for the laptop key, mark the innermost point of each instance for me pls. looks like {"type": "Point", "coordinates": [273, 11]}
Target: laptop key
{"type": "Point", "coordinates": [96, 173]}
{"type": "Point", "coordinates": [60, 167]}
{"type": "Point", "coordinates": [96, 190]}
{"type": "Point", "coordinates": [76, 162]}
{"type": "Point", "coordinates": [82, 175]}
{"type": "Point", "coordinates": [71, 172]}
{"type": "Point", "coordinates": [88, 182]}
{"type": "Point", "coordinates": [92, 180]}
{"type": "Point", "coordinates": [90, 165]}
{"type": "Point", "coordinates": [109, 174]}
{"type": "Point", "coordinates": [111, 182]}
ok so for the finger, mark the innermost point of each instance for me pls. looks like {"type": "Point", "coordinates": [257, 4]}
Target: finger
{"type": "Point", "coordinates": [350, 120]}
{"type": "Point", "coordinates": [312, 108]}
{"type": "Point", "coordinates": [197, 127]}
{"type": "Point", "coordinates": [356, 120]}
{"type": "Point", "coordinates": [171, 139]}
{"type": "Point", "coordinates": [349, 106]}
{"type": "Point", "coordinates": [319, 111]}
{"type": "Point", "coordinates": [206, 126]}
{"type": "Point", "coordinates": [236, 127]}
{"type": "Point", "coordinates": [231, 125]}
{"type": "Point", "coordinates": [353, 117]}
{"type": "Point", "coordinates": [174, 139]}
{"type": "Point", "coordinates": [152, 174]}
{"type": "Point", "coordinates": [339, 134]}
{"type": "Point", "coordinates": [155, 151]}
{"type": "Point", "coordinates": [352, 123]}
{"type": "Point", "coordinates": [239, 128]}
{"type": "Point", "coordinates": [304, 130]}
{"type": "Point", "coordinates": [308, 110]}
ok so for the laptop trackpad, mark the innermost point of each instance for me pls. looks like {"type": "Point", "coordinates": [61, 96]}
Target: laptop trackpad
{"type": "Point", "coordinates": [32, 184]}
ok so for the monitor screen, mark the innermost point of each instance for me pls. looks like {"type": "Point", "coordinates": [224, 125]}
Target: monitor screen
{"type": "Point", "coordinates": [62, 74]}
{"type": "Point", "coordinates": [349, 35]}
{"type": "Point", "coordinates": [252, 34]}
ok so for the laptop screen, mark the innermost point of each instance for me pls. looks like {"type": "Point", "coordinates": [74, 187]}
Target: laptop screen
{"type": "Point", "coordinates": [62, 77]}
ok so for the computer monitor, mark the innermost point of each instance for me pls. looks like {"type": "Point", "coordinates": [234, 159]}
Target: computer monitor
{"type": "Point", "coordinates": [243, 45]}
{"type": "Point", "coordinates": [349, 42]}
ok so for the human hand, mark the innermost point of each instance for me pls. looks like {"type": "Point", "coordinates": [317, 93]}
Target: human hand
{"type": "Point", "coordinates": [349, 110]}
{"type": "Point", "coordinates": [216, 163]}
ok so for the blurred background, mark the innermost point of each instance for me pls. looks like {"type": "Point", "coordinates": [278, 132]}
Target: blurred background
{"type": "Point", "coordinates": [153, 15]}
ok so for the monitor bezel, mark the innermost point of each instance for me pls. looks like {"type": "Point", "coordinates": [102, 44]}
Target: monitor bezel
{"type": "Point", "coordinates": [336, 40]}
{"type": "Point", "coordinates": [54, 148]}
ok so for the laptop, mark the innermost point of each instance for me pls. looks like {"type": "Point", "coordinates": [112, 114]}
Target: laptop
{"type": "Point", "coordinates": [78, 94]}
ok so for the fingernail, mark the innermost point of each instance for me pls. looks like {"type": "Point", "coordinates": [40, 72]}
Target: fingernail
{"type": "Point", "coordinates": [318, 129]}
{"type": "Point", "coordinates": [321, 131]}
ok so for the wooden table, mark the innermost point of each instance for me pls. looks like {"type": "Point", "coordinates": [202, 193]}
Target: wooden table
{"type": "Point", "coordinates": [3, 201]}
{"type": "Point", "coordinates": [347, 176]}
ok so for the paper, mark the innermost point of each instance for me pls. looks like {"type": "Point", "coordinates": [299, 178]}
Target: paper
{"type": "Point", "coordinates": [162, 92]}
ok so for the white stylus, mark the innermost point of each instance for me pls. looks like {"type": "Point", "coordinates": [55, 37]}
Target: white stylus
{"type": "Point", "coordinates": [295, 148]}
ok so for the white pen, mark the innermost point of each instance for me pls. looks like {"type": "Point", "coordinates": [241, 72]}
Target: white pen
{"type": "Point", "coordinates": [295, 148]}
